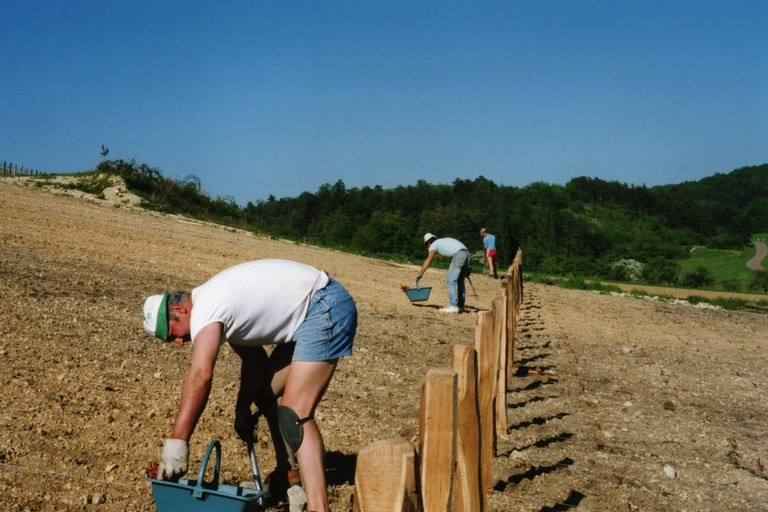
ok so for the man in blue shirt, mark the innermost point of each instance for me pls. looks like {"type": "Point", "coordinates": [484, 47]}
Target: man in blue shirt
{"type": "Point", "coordinates": [489, 242]}
{"type": "Point", "coordinates": [457, 272]}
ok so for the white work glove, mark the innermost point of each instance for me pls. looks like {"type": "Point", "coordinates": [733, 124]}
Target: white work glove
{"type": "Point", "coordinates": [174, 460]}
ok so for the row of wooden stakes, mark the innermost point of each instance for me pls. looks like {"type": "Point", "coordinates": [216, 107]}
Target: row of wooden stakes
{"type": "Point", "coordinates": [14, 169]}
{"type": "Point", "coordinates": [463, 411]}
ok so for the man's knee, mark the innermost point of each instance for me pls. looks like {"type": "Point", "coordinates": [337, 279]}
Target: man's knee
{"type": "Point", "coordinates": [291, 426]}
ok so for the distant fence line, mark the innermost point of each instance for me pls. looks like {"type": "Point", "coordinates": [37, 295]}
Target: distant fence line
{"type": "Point", "coordinates": [11, 169]}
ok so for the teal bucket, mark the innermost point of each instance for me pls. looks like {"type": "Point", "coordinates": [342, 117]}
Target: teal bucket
{"type": "Point", "coordinates": [418, 294]}
{"type": "Point", "coordinates": [200, 496]}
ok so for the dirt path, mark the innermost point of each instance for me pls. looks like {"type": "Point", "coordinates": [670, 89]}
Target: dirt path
{"type": "Point", "coordinates": [87, 398]}
{"type": "Point", "coordinates": [761, 251]}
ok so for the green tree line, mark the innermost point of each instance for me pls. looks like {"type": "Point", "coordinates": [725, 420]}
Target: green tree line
{"type": "Point", "coordinates": [582, 228]}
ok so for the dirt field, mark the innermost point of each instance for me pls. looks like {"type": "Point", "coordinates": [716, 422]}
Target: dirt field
{"type": "Point", "coordinates": [652, 406]}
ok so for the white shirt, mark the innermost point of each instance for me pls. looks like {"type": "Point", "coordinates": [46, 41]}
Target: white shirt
{"type": "Point", "coordinates": [260, 302]}
{"type": "Point", "coordinates": [446, 247]}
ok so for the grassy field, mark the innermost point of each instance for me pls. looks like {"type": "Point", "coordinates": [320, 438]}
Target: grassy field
{"type": "Point", "coordinates": [727, 267]}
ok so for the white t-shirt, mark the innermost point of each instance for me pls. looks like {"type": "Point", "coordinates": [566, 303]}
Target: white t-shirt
{"type": "Point", "coordinates": [260, 302]}
{"type": "Point", "coordinates": [446, 247]}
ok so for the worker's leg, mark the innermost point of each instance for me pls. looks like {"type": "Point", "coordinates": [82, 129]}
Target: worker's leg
{"type": "Point", "coordinates": [461, 289]}
{"type": "Point", "coordinates": [279, 366]}
{"type": "Point", "coordinates": [453, 280]}
{"type": "Point", "coordinates": [458, 272]}
{"type": "Point", "coordinates": [326, 334]}
{"type": "Point", "coordinates": [307, 382]}
{"type": "Point", "coordinates": [262, 380]}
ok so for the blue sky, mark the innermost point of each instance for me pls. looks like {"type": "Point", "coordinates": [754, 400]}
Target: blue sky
{"type": "Point", "coordinates": [260, 98]}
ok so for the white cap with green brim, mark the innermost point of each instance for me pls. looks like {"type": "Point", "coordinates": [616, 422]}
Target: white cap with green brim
{"type": "Point", "coordinates": [155, 316]}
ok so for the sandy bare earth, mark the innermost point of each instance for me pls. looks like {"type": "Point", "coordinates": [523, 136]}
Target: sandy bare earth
{"type": "Point", "coordinates": [636, 385]}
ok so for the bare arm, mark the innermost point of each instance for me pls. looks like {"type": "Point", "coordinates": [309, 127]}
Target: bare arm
{"type": "Point", "coordinates": [197, 385]}
{"type": "Point", "coordinates": [427, 263]}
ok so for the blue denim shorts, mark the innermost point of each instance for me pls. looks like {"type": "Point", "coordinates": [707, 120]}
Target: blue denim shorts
{"type": "Point", "coordinates": [328, 331]}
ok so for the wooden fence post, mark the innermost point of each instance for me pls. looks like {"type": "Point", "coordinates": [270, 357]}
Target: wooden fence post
{"type": "Point", "coordinates": [514, 298]}
{"type": "Point", "coordinates": [463, 410]}
{"type": "Point", "coordinates": [437, 428]}
{"type": "Point", "coordinates": [468, 495]}
{"type": "Point", "coordinates": [500, 340]}
{"type": "Point", "coordinates": [511, 320]}
{"type": "Point", "coordinates": [385, 478]}
{"type": "Point", "coordinates": [487, 363]}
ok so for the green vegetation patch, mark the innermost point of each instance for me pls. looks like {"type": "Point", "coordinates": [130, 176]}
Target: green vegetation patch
{"type": "Point", "coordinates": [729, 303]}
{"type": "Point", "coordinates": [91, 183]}
{"type": "Point", "coordinates": [727, 268]}
{"type": "Point", "coordinates": [572, 283]}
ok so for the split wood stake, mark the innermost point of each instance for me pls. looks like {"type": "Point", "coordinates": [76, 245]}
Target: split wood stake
{"type": "Point", "coordinates": [467, 493]}
{"type": "Point", "coordinates": [500, 340]}
{"type": "Point", "coordinates": [385, 478]}
{"type": "Point", "coordinates": [487, 364]}
{"type": "Point", "coordinates": [437, 428]}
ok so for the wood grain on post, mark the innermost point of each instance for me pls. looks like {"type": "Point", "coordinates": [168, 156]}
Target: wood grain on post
{"type": "Point", "coordinates": [487, 359]}
{"type": "Point", "coordinates": [509, 338]}
{"type": "Point", "coordinates": [467, 493]}
{"type": "Point", "coordinates": [385, 478]}
{"type": "Point", "coordinates": [437, 429]}
{"type": "Point", "coordinates": [511, 317]}
{"type": "Point", "coordinates": [500, 340]}
{"type": "Point", "coordinates": [511, 333]}
{"type": "Point", "coordinates": [514, 298]}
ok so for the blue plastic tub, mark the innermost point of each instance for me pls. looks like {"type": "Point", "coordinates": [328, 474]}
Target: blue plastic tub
{"type": "Point", "coordinates": [200, 496]}
{"type": "Point", "coordinates": [419, 293]}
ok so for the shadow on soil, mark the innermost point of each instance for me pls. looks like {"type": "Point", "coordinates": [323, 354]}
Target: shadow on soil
{"type": "Point", "coordinates": [340, 468]}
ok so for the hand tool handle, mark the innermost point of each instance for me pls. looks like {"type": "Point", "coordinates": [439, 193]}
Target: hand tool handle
{"type": "Point", "coordinates": [255, 469]}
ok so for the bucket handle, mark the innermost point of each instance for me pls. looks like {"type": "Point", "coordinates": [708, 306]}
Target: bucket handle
{"type": "Point", "coordinates": [198, 491]}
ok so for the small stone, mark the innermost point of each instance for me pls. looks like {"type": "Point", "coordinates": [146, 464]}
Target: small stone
{"type": "Point", "coordinates": [669, 471]}
{"type": "Point", "coordinates": [297, 498]}
{"type": "Point", "coordinates": [670, 405]}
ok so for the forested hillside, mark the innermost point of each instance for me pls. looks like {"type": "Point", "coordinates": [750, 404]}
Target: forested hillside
{"type": "Point", "coordinates": [583, 227]}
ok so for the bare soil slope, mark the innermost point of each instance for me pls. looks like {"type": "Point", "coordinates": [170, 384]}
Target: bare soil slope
{"type": "Point", "coordinates": [87, 397]}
